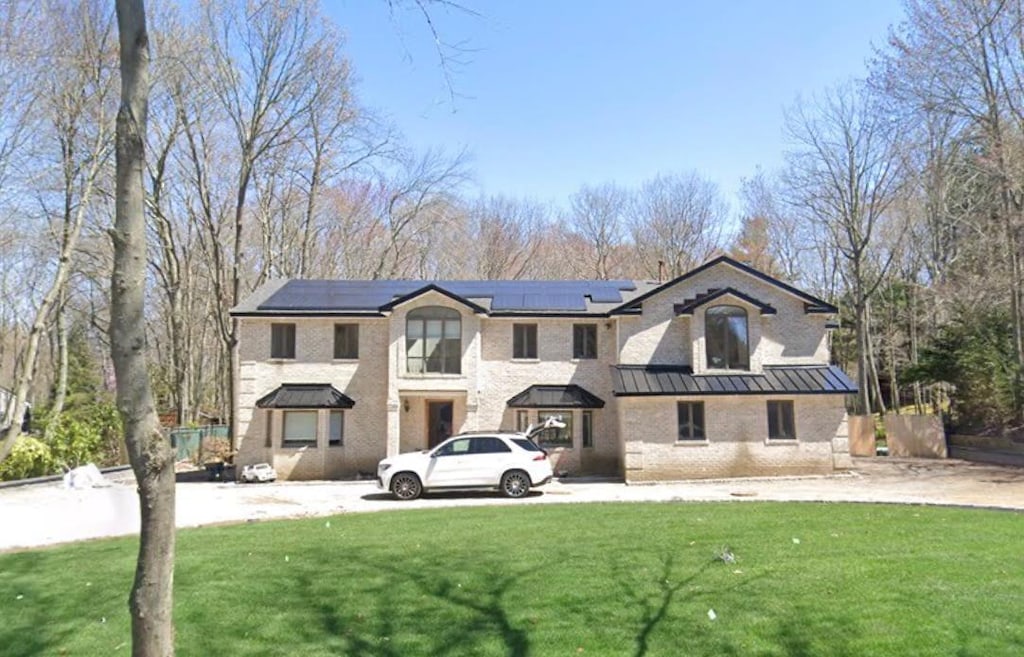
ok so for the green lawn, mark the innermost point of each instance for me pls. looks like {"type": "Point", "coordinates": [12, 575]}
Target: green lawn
{"type": "Point", "coordinates": [809, 579]}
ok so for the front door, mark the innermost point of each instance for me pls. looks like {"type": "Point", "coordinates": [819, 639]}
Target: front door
{"type": "Point", "coordinates": [439, 422]}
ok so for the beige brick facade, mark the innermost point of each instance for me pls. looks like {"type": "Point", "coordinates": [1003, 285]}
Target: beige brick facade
{"type": "Point", "coordinates": [634, 437]}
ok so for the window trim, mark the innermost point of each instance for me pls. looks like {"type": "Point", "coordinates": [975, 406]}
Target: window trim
{"type": "Point", "coordinates": [287, 328]}
{"type": "Point", "coordinates": [352, 342]}
{"type": "Point", "coordinates": [340, 442]}
{"type": "Point", "coordinates": [783, 407]}
{"type": "Point", "coordinates": [517, 330]}
{"type": "Point", "coordinates": [580, 341]}
{"type": "Point", "coordinates": [446, 316]}
{"type": "Point", "coordinates": [691, 440]}
{"type": "Point", "coordinates": [522, 420]}
{"type": "Point", "coordinates": [710, 312]}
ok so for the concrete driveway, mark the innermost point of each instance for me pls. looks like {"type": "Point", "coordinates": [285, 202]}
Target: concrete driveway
{"type": "Point", "coordinates": [45, 514]}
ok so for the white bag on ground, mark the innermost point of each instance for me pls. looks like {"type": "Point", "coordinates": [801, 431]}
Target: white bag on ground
{"type": "Point", "coordinates": [86, 476]}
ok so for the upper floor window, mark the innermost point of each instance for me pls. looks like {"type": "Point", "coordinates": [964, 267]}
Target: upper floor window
{"type": "Point", "coordinates": [524, 341]}
{"type": "Point", "coordinates": [282, 340]}
{"type": "Point", "coordinates": [584, 340]}
{"type": "Point", "coordinates": [433, 341]}
{"type": "Point", "coordinates": [726, 338]}
{"type": "Point", "coordinates": [346, 341]}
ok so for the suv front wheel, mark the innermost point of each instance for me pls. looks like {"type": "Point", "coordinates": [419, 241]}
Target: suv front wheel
{"type": "Point", "coordinates": [515, 484]}
{"type": "Point", "coordinates": [406, 486]}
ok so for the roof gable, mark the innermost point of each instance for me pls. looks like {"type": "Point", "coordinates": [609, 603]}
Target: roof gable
{"type": "Point", "coordinates": [690, 305]}
{"type": "Point", "coordinates": [812, 304]}
{"type": "Point", "coordinates": [426, 289]}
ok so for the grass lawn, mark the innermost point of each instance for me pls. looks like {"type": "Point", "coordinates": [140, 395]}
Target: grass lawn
{"type": "Point", "coordinates": [808, 579]}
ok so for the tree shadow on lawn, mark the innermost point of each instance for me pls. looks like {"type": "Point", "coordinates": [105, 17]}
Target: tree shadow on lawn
{"type": "Point", "coordinates": [42, 611]}
{"type": "Point", "coordinates": [482, 620]}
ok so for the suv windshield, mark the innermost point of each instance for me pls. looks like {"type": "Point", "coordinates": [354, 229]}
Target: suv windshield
{"type": "Point", "coordinates": [527, 444]}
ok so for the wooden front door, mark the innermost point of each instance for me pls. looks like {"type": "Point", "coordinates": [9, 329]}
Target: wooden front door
{"type": "Point", "coordinates": [439, 422]}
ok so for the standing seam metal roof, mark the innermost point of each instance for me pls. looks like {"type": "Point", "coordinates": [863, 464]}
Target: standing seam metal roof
{"type": "Point", "coordinates": [647, 380]}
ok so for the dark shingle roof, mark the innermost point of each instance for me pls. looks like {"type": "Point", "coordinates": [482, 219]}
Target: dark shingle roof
{"type": "Point", "coordinates": [305, 395]}
{"type": "Point", "coordinates": [648, 380]}
{"type": "Point", "coordinates": [496, 297]}
{"type": "Point", "coordinates": [546, 396]}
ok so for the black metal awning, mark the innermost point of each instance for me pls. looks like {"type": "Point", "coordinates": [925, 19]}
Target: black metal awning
{"type": "Point", "coordinates": [652, 380]}
{"type": "Point", "coordinates": [305, 395]}
{"type": "Point", "coordinates": [547, 396]}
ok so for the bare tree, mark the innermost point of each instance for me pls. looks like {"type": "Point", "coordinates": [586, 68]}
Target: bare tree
{"type": "Point", "coordinates": [75, 99]}
{"type": "Point", "coordinates": [678, 220]}
{"type": "Point", "coordinates": [845, 173]}
{"type": "Point", "coordinates": [597, 215]}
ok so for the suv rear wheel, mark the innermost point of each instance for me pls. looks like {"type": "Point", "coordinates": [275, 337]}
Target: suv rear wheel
{"type": "Point", "coordinates": [515, 484]}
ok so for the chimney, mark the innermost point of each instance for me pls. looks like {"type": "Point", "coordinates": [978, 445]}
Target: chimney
{"type": "Point", "coordinates": [661, 271]}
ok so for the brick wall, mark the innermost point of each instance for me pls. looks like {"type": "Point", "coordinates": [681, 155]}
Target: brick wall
{"type": "Point", "coordinates": [737, 438]}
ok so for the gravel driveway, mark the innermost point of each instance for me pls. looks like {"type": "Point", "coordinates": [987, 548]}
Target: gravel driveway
{"type": "Point", "coordinates": [45, 514]}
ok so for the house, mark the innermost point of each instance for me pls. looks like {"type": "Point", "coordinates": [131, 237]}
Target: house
{"type": "Point", "coordinates": [723, 371]}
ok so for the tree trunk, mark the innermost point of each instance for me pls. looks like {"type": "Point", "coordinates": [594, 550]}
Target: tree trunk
{"type": "Point", "coordinates": [150, 603]}
{"type": "Point", "coordinates": [61, 392]}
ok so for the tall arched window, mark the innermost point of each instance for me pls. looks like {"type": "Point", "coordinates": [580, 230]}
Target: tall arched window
{"type": "Point", "coordinates": [433, 341]}
{"type": "Point", "coordinates": [725, 337]}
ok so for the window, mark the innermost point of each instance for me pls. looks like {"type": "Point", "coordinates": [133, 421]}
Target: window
{"type": "Point", "coordinates": [269, 428]}
{"type": "Point", "coordinates": [346, 341]}
{"type": "Point", "coordinates": [584, 340]}
{"type": "Point", "coordinates": [726, 338]}
{"type": "Point", "coordinates": [489, 445]}
{"type": "Point", "coordinates": [780, 421]}
{"type": "Point", "coordinates": [587, 427]}
{"type": "Point", "coordinates": [433, 341]}
{"type": "Point", "coordinates": [282, 340]}
{"type": "Point", "coordinates": [524, 341]}
{"type": "Point", "coordinates": [522, 421]}
{"type": "Point", "coordinates": [691, 420]}
{"type": "Point", "coordinates": [299, 428]}
{"type": "Point", "coordinates": [556, 437]}
{"type": "Point", "coordinates": [336, 435]}
{"type": "Point", "coordinates": [454, 448]}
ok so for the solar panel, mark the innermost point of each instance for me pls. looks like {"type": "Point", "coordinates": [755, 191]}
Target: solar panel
{"type": "Point", "coordinates": [565, 296]}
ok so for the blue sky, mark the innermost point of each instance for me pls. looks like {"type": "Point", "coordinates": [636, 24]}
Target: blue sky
{"type": "Point", "coordinates": [556, 94]}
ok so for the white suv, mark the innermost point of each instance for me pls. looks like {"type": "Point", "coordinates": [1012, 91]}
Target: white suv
{"type": "Point", "coordinates": [510, 462]}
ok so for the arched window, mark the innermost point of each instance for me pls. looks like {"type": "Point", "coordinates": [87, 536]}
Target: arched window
{"type": "Point", "coordinates": [433, 341]}
{"type": "Point", "coordinates": [725, 337]}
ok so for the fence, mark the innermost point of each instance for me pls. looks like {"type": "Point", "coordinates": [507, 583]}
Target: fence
{"type": "Point", "coordinates": [1002, 450]}
{"type": "Point", "coordinates": [919, 436]}
{"type": "Point", "coordinates": [190, 443]}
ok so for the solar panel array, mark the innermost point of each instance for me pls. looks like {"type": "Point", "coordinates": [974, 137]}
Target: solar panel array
{"type": "Point", "coordinates": [507, 296]}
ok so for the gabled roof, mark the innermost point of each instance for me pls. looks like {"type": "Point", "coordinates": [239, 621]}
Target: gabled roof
{"type": "Point", "coordinates": [812, 304]}
{"type": "Point", "coordinates": [690, 305]}
{"type": "Point", "coordinates": [677, 380]}
{"type": "Point", "coordinates": [509, 298]}
{"type": "Point", "coordinates": [305, 395]}
{"type": "Point", "coordinates": [433, 287]}
{"type": "Point", "coordinates": [552, 396]}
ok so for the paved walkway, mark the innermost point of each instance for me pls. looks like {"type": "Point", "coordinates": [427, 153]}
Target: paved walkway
{"type": "Point", "coordinates": [45, 514]}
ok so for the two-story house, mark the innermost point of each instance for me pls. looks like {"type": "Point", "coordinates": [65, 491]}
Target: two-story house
{"type": "Point", "coordinates": [723, 371]}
